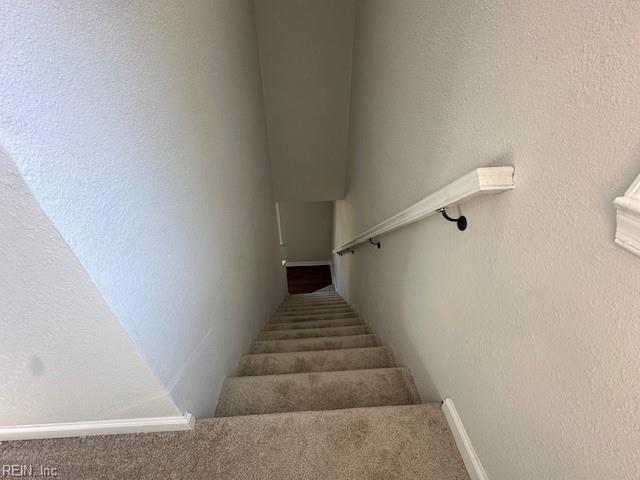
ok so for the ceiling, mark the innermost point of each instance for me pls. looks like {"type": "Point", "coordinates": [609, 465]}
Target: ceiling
{"type": "Point", "coordinates": [305, 59]}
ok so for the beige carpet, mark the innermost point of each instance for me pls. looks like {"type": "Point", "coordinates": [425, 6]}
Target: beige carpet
{"type": "Point", "coordinates": [407, 442]}
{"type": "Point", "coordinates": [348, 412]}
{"type": "Point", "coordinates": [316, 361]}
{"type": "Point", "coordinates": [314, 332]}
{"type": "Point", "coordinates": [315, 343]}
{"type": "Point", "coordinates": [297, 392]}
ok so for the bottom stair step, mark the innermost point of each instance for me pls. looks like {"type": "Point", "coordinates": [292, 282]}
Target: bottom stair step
{"type": "Point", "coordinates": [316, 361]}
{"type": "Point", "coordinates": [394, 443]}
{"type": "Point", "coordinates": [410, 442]}
{"type": "Point", "coordinates": [316, 391]}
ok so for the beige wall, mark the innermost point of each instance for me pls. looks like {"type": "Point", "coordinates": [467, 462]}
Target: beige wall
{"type": "Point", "coordinates": [305, 57]}
{"type": "Point", "coordinates": [529, 319]}
{"type": "Point", "coordinates": [139, 127]}
{"type": "Point", "coordinates": [307, 230]}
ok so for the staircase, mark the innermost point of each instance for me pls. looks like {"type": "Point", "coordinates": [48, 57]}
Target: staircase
{"type": "Point", "coordinates": [316, 397]}
{"type": "Point", "coordinates": [323, 398]}
{"type": "Point", "coordinates": [315, 354]}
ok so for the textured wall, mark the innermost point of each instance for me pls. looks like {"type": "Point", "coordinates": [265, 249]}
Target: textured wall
{"type": "Point", "coordinates": [307, 229]}
{"type": "Point", "coordinates": [63, 355]}
{"type": "Point", "coordinates": [139, 127]}
{"type": "Point", "coordinates": [529, 319]}
{"type": "Point", "coordinates": [305, 58]}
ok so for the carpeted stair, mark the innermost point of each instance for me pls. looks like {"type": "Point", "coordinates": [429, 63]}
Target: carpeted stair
{"type": "Point", "coordinates": [316, 397]}
{"type": "Point", "coordinates": [315, 357]}
{"type": "Point", "coordinates": [316, 361]}
{"type": "Point", "coordinates": [315, 343]}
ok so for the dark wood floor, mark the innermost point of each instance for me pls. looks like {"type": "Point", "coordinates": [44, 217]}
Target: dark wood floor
{"type": "Point", "coordinates": [308, 279]}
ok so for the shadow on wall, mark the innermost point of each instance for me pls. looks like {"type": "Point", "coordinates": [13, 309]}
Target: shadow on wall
{"type": "Point", "coordinates": [67, 357]}
{"type": "Point", "coordinates": [166, 204]}
{"type": "Point", "coordinates": [308, 279]}
{"type": "Point", "coordinates": [387, 312]}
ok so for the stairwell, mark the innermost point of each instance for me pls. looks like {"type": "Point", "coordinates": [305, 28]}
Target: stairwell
{"type": "Point", "coordinates": [317, 396]}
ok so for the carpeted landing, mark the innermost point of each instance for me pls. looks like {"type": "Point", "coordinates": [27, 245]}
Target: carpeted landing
{"type": "Point", "coordinates": [316, 397]}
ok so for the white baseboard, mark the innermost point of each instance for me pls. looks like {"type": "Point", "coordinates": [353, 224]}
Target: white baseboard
{"type": "Point", "coordinates": [100, 427]}
{"type": "Point", "coordinates": [313, 263]}
{"type": "Point", "coordinates": [463, 442]}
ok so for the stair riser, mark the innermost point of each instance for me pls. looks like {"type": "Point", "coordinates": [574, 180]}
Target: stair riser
{"type": "Point", "coordinates": [316, 361]}
{"type": "Point", "coordinates": [307, 344]}
{"type": "Point", "coordinates": [313, 324]}
{"type": "Point", "coordinates": [314, 332]}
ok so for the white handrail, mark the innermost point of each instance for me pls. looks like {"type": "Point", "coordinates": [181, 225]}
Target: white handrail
{"type": "Point", "coordinates": [480, 181]}
{"type": "Point", "coordinates": [279, 222]}
{"type": "Point", "coordinates": [628, 218]}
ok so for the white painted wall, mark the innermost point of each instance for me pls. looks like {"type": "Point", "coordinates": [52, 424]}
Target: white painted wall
{"type": "Point", "coordinates": [139, 127]}
{"type": "Point", "coordinates": [529, 319]}
{"type": "Point", "coordinates": [307, 230]}
{"type": "Point", "coordinates": [305, 57]}
{"type": "Point", "coordinates": [63, 355]}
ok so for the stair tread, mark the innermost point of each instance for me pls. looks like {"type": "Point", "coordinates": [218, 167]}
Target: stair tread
{"type": "Point", "coordinates": [310, 311]}
{"type": "Point", "coordinates": [314, 332]}
{"type": "Point", "coordinates": [305, 302]}
{"type": "Point", "coordinates": [313, 300]}
{"type": "Point", "coordinates": [307, 317]}
{"type": "Point", "coordinates": [309, 305]}
{"type": "Point", "coordinates": [344, 311]}
{"type": "Point", "coordinates": [313, 304]}
{"type": "Point", "coordinates": [316, 391]}
{"type": "Point", "coordinates": [303, 320]}
{"type": "Point", "coordinates": [316, 299]}
{"type": "Point", "coordinates": [313, 324]}
{"type": "Point", "coordinates": [316, 343]}
{"type": "Point", "coordinates": [408, 442]}
{"type": "Point", "coordinates": [316, 361]}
